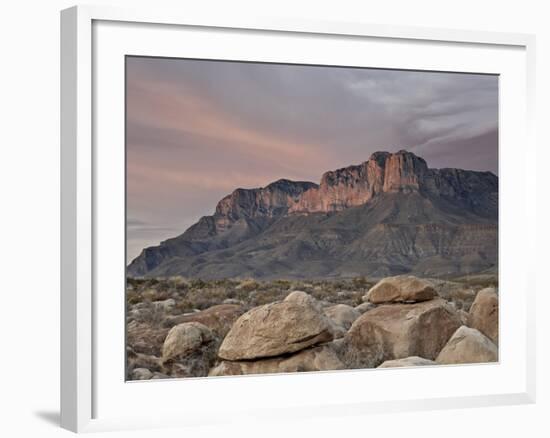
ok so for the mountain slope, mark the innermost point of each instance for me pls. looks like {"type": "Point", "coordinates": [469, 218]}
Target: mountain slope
{"type": "Point", "coordinates": [388, 215]}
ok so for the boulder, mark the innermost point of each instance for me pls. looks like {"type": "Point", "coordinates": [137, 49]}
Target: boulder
{"type": "Point", "coordinates": [320, 358]}
{"type": "Point", "coordinates": [411, 361]}
{"type": "Point", "coordinates": [217, 318]}
{"type": "Point", "coordinates": [135, 360]}
{"type": "Point", "coordinates": [164, 305]}
{"type": "Point", "coordinates": [233, 301]}
{"type": "Point", "coordinates": [484, 313]}
{"type": "Point", "coordinates": [464, 317]}
{"type": "Point", "coordinates": [468, 345]}
{"type": "Point", "coordinates": [401, 289]}
{"type": "Point", "coordinates": [303, 298]}
{"type": "Point", "coordinates": [145, 337]}
{"type": "Point", "coordinates": [141, 374]}
{"type": "Point", "coordinates": [365, 307]}
{"type": "Point", "coordinates": [342, 315]}
{"type": "Point", "coordinates": [277, 328]}
{"type": "Point", "coordinates": [338, 332]}
{"type": "Point", "coordinates": [189, 350]}
{"type": "Point", "coordinates": [396, 331]}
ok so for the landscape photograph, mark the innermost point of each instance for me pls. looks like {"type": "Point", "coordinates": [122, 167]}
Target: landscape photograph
{"type": "Point", "coordinates": [285, 218]}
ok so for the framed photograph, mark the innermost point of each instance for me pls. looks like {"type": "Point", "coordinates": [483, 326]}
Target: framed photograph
{"type": "Point", "coordinates": [257, 208]}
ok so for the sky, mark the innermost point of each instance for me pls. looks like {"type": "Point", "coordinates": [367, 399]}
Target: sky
{"type": "Point", "coordinates": [198, 129]}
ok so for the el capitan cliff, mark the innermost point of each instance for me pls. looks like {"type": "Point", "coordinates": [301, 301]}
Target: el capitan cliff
{"type": "Point", "coordinates": [391, 214]}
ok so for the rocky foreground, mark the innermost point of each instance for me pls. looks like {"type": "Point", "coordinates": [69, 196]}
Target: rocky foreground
{"type": "Point", "coordinates": [399, 321]}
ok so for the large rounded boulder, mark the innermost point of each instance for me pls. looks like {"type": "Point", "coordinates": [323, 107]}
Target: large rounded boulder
{"type": "Point", "coordinates": [401, 289]}
{"type": "Point", "coordinates": [468, 345]}
{"type": "Point", "coordinates": [320, 358]}
{"type": "Point", "coordinates": [342, 315]}
{"type": "Point", "coordinates": [277, 328]}
{"type": "Point", "coordinates": [396, 331]}
{"type": "Point", "coordinates": [189, 350]}
{"type": "Point", "coordinates": [218, 318]}
{"type": "Point", "coordinates": [412, 361]}
{"type": "Point", "coordinates": [484, 313]}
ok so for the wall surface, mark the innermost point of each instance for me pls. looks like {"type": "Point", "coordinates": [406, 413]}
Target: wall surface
{"type": "Point", "coordinates": [29, 231]}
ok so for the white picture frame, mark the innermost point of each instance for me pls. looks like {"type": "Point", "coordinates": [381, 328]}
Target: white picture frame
{"type": "Point", "coordinates": [85, 356]}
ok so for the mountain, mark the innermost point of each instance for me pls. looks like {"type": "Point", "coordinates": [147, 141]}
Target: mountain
{"type": "Point", "coordinates": [391, 214]}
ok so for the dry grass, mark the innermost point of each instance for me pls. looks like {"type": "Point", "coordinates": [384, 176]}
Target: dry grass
{"type": "Point", "coordinates": [197, 294]}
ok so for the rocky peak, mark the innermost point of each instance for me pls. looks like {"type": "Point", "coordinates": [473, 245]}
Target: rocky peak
{"type": "Point", "coordinates": [383, 172]}
{"type": "Point", "coordinates": [426, 202]}
{"type": "Point", "coordinates": [292, 188]}
{"type": "Point", "coordinates": [269, 201]}
{"type": "Point", "coordinates": [354, 185]}
{"type": "Point", "coordinates": [404, 171]}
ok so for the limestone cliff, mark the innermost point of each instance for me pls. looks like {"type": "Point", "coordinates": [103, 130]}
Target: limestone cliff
{"type": "Point", "coordinates": [389, 214]}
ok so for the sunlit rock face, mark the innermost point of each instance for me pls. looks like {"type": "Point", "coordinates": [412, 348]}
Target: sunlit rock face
{"type": "Point", "coordinates": [384, 172]}
{"type": "Point", "coordinates": [389, 215]}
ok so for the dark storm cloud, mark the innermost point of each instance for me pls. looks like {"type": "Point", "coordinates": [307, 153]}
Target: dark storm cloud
{"type": "Point", "coordinates": [198, 129]}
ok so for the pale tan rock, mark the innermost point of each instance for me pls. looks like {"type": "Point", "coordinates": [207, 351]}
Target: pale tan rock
{"type": "Point", "coordinates": [145, 338]}
{"type": "Point", "coordinates": [164, 305]}
{"type": "Point", "coordinates": [141, 374]}
{"type": "Point", "coordinates": [189, 350]}
{"type": "Point", "coordinates": [484, 313]}
{"type": "Point", "coordinates": [411, 361]}
{"type": "Point", "coordinates": [185, 338]}
{"type": "Point", "coordinates": [401, 288]}
{"type": "Point", "coordinates": [303, 299]}
{"type": "Point", "coordinates": [365, 307]}
{"type": "Point", "coordinates": [142, 361]}
{"type": "Point", "coordinates": [342, 315]}
{"type": "Point", "coordinates": [468, 345]}
{"type": "Point", "coordinates": [396, 331]}
{"type": "Point", "coordinates": [464, 317]}
{"type": "Point", "coordinates": [217, 318]}
{"type": "Point", "coordinates": [277, 328]}
{"type": "Point", "coordinates": [321, 358]}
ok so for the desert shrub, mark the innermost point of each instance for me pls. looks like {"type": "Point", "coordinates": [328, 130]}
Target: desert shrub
{"type": "Point", "coordinates": [225, 283]}
{"type": "Point", "coordinates": [197, 283]}
{"type": "Point", "coordinates": [151, 282]}
{"type": "Point", "coordinates": [361, 283]}
{"type": "Point", "coordinates": [177, 281]}
{"type": "Point", "coordinates": [193, 294]}
{"type": "Point", "coordinates": [338, 285]}
{"type": "Point", "coordinates": [206, 297]}
{"type": "Point", "coordinates": [231, 293]}
{"type": "Point", "coordinates": [325, 294]}
{"type": "Point", "coordinates": [248, 284]}
{"type": "Point", "coordinates": [479, 282]}
{"type": "Point", "coordinates": [267, 296]}
{"type": "Point", "coordinates": [133, 297]}
{"type": "Point", "coordinates": [134, 283]}
{"type": "Point", "coordinates": [155, 295]}
{"type": "Point", "coordinates": [282, 284]}
{"type": "Point", "coordinates": [184, 306]}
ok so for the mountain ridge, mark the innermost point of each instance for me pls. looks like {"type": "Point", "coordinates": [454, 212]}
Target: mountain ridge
{"type": "Point", "coordinates": [391, 202]}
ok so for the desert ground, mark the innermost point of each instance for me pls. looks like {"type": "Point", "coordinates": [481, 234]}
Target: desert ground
{"type": "Point", "coordinates": [182, 328]}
